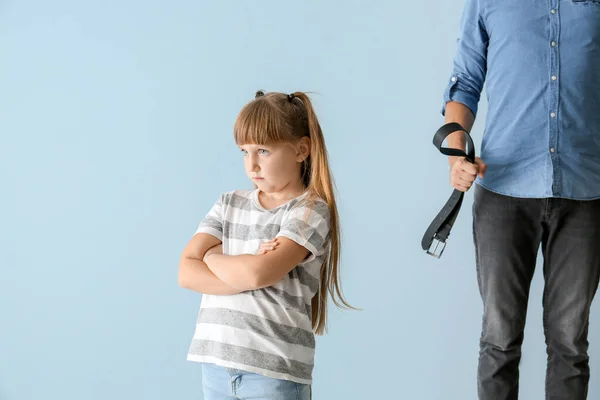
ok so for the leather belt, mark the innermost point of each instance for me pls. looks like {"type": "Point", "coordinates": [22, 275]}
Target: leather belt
{"type": "Point", "coordinates": [434, 239]}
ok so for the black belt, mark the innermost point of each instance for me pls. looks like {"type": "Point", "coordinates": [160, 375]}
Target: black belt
{"type": "Point", "coordinates": [440, 227]}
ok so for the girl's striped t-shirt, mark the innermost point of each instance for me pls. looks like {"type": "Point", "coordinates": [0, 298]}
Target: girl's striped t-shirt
{"type": "Point", "coordinates": [266, 331]}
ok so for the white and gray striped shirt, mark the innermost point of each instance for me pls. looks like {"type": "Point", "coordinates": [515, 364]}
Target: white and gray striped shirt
{"type": "Point", "coordinates": [267, 331]}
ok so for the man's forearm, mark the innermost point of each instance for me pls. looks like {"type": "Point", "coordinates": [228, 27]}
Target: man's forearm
{"type": "Point", "coordinates": [195, 275]}
{"type": "Point", "coordinates": [459, 113]}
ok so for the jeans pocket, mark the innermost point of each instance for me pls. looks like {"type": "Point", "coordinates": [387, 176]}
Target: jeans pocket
{"type": "Point", "coordinates": [586, 2]}
{"type": "Point", "coordinates": [303, 391]}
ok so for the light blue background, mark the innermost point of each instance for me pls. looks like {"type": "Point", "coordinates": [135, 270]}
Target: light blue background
{"type": "Point", "coordinates": [116, 138]}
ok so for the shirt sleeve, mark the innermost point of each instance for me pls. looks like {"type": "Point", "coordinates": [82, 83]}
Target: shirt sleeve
{"type": "Point", "coordinates": [308, 225]}
{"type": "Point", "coordinates": [213, 221]}
{"type": "Point", "coordinates": [470, 62]}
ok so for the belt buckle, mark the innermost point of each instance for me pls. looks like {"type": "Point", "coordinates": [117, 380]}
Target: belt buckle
{"type": "Point", "coordinates": [436, 247]}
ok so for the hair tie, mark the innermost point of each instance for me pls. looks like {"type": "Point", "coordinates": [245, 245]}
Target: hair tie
{"type": "Point", "coordinates": [258, 94]}
{"type": "Point", "coordinates": [291, 97]}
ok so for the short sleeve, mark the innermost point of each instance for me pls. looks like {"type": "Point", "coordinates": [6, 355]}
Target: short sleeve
{"type": "Point", "coordinates": [213, 221]}
{"type": "Point", "coordinates": [308, 224]}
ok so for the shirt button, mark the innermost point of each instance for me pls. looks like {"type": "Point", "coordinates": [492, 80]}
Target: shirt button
{"type": "Point", "coordinates": [453, 79]}
{"type": "Point", "coordinates": [553, 43]}
{"type": "Point", "coordinates": [553, 11]}
{"type": "Point", "coordinates": [553, 115]}
{"type": "Point", "coordinates": [554, 77]}
{"type": "Point", "coordinates": [551, 149]}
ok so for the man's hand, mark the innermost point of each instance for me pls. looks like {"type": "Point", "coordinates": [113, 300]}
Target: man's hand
{"type": "Point", "coordinates": [463, 173]}
{"type": "Point", "coordinates": [267, 246]}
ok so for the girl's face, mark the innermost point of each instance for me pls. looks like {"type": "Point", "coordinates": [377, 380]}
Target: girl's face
{"type": "Point", "coordinates": [275, 167]}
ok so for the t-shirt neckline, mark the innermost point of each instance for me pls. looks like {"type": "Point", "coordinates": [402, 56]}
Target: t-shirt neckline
{"type": "Point", "coordinates": [260, 207]}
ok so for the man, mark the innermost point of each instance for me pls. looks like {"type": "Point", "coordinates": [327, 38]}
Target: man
{"type": "Point", "coordinates": [538, 179]}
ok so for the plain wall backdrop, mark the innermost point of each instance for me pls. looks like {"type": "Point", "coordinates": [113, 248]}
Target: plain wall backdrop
{"type": "Point", "coordinates": [116, 128]}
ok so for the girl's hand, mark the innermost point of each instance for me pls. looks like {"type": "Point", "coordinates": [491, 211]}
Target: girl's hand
{"type": "Point", "coordinates": [267, 246]}
{"type": "Point", "coordinates": [218, 249]}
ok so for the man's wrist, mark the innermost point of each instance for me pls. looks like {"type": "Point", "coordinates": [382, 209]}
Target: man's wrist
{"type": "Point", "coordinates": [452, 160]}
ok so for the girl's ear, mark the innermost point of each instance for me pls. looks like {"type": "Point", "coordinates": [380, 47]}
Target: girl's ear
{"type": "Point", "coordinates": [303, 149]}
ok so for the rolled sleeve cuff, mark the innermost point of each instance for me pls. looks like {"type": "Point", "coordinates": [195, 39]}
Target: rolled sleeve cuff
{"type": "Point", "coordinates": [458, 90]}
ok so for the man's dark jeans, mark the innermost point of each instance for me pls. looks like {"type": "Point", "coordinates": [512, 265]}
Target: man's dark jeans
{"type": "Point", "coordinates": [507, 232]}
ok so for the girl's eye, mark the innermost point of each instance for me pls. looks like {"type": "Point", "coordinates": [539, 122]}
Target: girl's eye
{"type": "Point", "coordinates": [244, 152]}
{"type": "Point", "coordinates": [263, 152]}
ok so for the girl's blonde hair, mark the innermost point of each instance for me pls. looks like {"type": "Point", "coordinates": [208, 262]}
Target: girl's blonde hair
{"type": "Point", "coordinates": [278, 117]}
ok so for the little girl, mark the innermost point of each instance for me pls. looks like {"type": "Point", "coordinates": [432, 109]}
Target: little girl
{"type": "Point", "coordinates": [266, 259]}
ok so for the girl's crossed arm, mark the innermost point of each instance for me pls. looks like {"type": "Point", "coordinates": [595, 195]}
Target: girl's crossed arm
{"type": "Point", "coordinates": [193, 271]}
{"type": "Point", "coordinates": [250, 272]}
